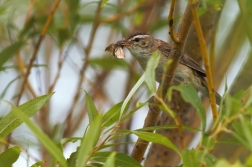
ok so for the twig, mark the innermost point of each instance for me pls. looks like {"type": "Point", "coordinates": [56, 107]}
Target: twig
{"type": "Point", "coordinates": [60, 61]}
{"type": "Point", "coordinates": [212, 49]}
{"type": "Point", "coordinates": [42, 36]}
{"type": "Point", "coordinates": [154, 111]}
{"type": "Point", "coordinates": [205, 58]}
{"type": "Point", "coordinates": [171, 21]}
{"type": "Point", "coordinates": [22, 70]}
{"type": "Point", "coordinates": [83, 68]}
{"type": "Point", "coordinates": [120, 15]}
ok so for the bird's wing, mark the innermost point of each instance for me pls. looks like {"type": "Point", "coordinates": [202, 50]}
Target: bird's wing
{"type": "Point", "coordinates": [165, 49]}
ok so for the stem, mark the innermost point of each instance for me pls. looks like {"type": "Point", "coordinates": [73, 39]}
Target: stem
{"type": "Point", "coordinates": [171, 21]}
{"type": "Point", "coordinates": [206, 61]}
{"type": "Point", "coordinates": [37, 46]}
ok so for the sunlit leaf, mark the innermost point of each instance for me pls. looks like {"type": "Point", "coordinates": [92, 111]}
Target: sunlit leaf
{"type": "Point", "coordinates": [8, 157]}
{"type": "Point", "coordinates": [11, 121]}
{"type": "Point", "coordinates": [38, 164]}
{"type": "Point", "coordinates": [167, 127]}
{"type": "Point", "coordinates": [189, 158]}
{"type": "Point", "coordinates": [91, 109]}
{"type": "Point", "coordinates": [150, 78]}
{"type": "Point", "coordinates": [121, 159]}
{"type": "Point", "coordinates": [48, 143]}
{"type": "Point", "coordinates": [132, 91]}
{"type": "Point", "coordinates": [156, 138]}
{"type": "Point", "coordinates": [104, 2]}
{"type": "Point", "coordinates": [89, 141]}
{"type": "Point", "coordinates": [72, 139]}
{"type": "Point", "coordinates": [190, 95]}
{"type": "Point", "coordinates": [110, 162]}
{"type": "Point", "coordinates": [112, 115]}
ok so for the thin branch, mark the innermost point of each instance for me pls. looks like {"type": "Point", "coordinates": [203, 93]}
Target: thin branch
{"type": "Point", "coordinates": [22, 70]}
{"type": "Point", "coordinates": [205, 58]}
{"type": "Point", "coordinates": [171, 21]}
{"type": "Point", "coordinates": [212, 55]}
{"type": "Point", "coordinates": [42, 36]}
{"type": "Point", "coordinates": [84, 67]}
{"type": "Point", "coordinates": [118, 16]}
{"type": "Point", "coordinates": [154, 111]}
{"type": "Point", "coordinates": [60, 61]}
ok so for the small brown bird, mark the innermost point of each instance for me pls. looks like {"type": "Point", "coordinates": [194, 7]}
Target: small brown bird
{"type": "Point", "coordinates": [142, 45]}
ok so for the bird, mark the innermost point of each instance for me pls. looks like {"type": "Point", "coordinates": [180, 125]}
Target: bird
{"type": "Point", "coordinates": [142, 45]}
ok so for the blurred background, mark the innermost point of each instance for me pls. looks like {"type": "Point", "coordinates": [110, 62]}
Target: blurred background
{"type": "Point", "coordinates": [71, 59]}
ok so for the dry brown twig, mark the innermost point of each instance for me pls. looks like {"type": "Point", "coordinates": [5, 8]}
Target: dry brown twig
{"type": "Point", "coordinates": [83, 69]}
{"type": "Point", "coordinates": [171, 21]}
{"type": "Point", "coordinates": [37, 46]}
{"type": "Point", "coordinates": [205, 58]}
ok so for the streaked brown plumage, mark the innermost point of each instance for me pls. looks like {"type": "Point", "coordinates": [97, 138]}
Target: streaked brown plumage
{"type": "Point", "coordinates": [142, 45]}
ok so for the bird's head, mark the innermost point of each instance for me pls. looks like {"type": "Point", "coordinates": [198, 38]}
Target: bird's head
{"type": "Point", "coordinates": [138, 44]}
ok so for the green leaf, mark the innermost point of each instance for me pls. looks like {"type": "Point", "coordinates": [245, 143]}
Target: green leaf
{"type": "Point", "coordinates": [209, 159]}
{"type": "Point", "coordinates": [110, 162]}
{"type": "Point", "coordinates": [8, 52]}
{"type": "Point", "coordinates": [132, 91]}
{"type": "Point", "coordinates": [150, 78]}
{"type": "Point", "coordinates": [91, 109]}
{"type": "Point", "coordinates": [190, 95]}
{"type": "Point", "coordinates": [49, 145]}
{"type": "Point", "coordinates": [89, 141]}
{"type": "Point", "coordinates": [112, 115]}
{"type": "Point", "coordinates": [72, 139]}
{"type": "Point", "coordinates": [104, 2]}
{"type": "Point", "coordinates": [38, 164]}
{"type": "Point", "coordinates": [189, 158]}
{"type": "Point", "coordinates": [167, 127]}
{"type": "Point", "coordinates": [121, 160]}
{"type": "Point", "coordinates": [249, 161]}
{"type": "Point", "coordinates": [156, 138]}
{"type": "Point", "coordinates": [224, 163]}
{"type": "Point", "coordinates": [11, 121]}
{"type": "Point", "coordinates": [208, 142]}
{"type": "Point", "coordinates": [8, 157]}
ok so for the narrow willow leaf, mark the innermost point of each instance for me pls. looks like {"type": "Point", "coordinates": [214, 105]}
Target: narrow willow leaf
{"type": "Point", "coordinates": [89, 141]}
{"type": "Point", "coordinates": [49, 145]}
{"type": "Point", "coordinates": [11, 121]}
{"type": "Point", "coordinates": [8, 157]}
{"type": "Point", "coordinates": [38, 164]}
{"type": "Point", "coordinates": [209, 159]}
{"type": "Point", "coordinates": [91, 109]}
{"type": "Point", "coordinates": [190, 95]}
{"type": "Point", "coordinates": [110, 162]}
{"type": "Point", "coordinates": [104, 2]}
{"type": "Point", "coordinates": [156, 138]}
{"type": "Point", "coordinates": [189, 158]}
{"type": "Point", "coordinates": [223, 162]}
{"type": "Point", "coordinates": [112, 115]}
{"type": "Point", "coordinates": [121, 159]}
{"type": "Point", "coordinates": [8, 52]}
{"type": "Point", "coordinates": [67, 140]}
{"type": "Point", "coordinates": [132, 91]}
{"type": "Point", "coordinates": [150, 78]}
{"type": "Point", "coordinates": [167, 127]}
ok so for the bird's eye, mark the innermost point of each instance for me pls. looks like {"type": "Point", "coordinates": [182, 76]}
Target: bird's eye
{"type": "Point", "coordinates": [136, 39]}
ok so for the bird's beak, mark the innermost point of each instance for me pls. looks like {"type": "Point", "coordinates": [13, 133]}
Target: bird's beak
{"type": "Point", "coordinates": [123, 43]}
